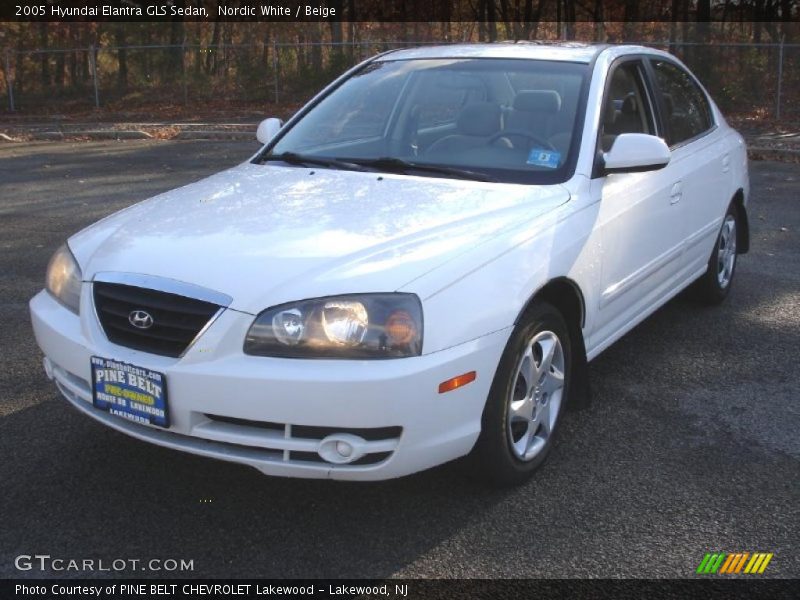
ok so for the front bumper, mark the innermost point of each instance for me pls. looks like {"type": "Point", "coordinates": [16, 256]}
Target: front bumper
{"type": "Point", "coordinates": [281, 416]}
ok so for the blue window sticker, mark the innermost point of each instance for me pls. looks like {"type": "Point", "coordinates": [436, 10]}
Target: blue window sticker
{"type": "Point", "coordinates": [541, 157]}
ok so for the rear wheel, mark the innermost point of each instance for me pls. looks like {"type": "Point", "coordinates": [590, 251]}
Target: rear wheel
{"type": "Point", "coordinates": [526, 399]}
{"type": "Point", "coordinates": [713, 287]}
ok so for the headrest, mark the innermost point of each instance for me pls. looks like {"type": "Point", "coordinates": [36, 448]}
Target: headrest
{"type": "Point", "coordinates": [610, 114]}
{"type": "Point", "coordinates": [544, 101]}
{"type": "Point", "coordinates": [629, 105]}
{"type": "Point", "coordinates": [479, 119]}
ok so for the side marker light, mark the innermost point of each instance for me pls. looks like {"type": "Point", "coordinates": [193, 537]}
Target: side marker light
{"type": "Point", "coordinates": [457, 382]}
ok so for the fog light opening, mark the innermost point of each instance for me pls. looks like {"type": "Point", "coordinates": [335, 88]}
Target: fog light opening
{"type": "Point", "coordinates": [342, 448]}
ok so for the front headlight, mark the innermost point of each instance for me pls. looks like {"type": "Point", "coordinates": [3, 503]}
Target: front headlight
{"type": "Point", "coordinates": [357, 326]}
{"type": "Point", "coordinates": [64, 278]}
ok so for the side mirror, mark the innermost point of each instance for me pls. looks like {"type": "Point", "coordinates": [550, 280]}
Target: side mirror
{"type": "Point", "coordinates": [268, 129]}
{"type": "Point", "coordinates": [634, 153]}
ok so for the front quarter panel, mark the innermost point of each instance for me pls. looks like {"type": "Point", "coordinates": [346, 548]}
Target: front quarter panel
{"type": "Point", "coordinates": [486, 290]}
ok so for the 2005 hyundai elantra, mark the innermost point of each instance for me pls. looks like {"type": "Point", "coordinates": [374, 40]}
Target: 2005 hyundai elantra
{"type": "Point", "coordinates": [416, 267]}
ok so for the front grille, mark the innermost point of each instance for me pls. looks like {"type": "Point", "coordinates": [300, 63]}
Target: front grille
{"type": "Point", "coordinates": [176, 319]}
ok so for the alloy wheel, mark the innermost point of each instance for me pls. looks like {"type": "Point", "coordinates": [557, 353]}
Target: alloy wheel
{"type": "Point", "coordinates": [535, 398]}
{"type": "Point", "coordinates": [726, 252]}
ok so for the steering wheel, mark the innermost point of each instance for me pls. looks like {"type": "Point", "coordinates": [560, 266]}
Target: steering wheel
{"type": "Point", "coordinates": [529, 136]}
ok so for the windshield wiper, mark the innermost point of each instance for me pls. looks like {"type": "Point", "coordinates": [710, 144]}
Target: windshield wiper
{"type": "Point", "coordinates": [293, 158]}
{"type": "Point", "coordinates": [398, 165]}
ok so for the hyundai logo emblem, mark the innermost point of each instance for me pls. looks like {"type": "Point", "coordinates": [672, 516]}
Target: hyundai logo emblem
{"type": "Point", "coordinates": [140, 319]}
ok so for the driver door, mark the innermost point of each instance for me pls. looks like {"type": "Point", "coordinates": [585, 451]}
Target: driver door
{"type": "Point", "coordinates": [640, 228]}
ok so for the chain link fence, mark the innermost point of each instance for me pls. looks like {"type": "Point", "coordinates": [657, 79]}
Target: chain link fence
{"type": "Point", "coordinates": [748, 79]}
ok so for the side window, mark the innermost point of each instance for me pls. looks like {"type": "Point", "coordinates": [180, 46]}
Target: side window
{"type": "Point", "coordinates": [687, 113]}
{"type": "Point", "coordinates": [626, 108]}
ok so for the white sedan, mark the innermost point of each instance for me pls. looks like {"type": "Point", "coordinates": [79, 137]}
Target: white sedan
{"type": "Point", "coordinates": [416, 267]}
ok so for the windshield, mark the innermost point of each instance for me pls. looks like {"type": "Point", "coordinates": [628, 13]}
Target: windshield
{"type": "Point", "coordinates": [505, 120]}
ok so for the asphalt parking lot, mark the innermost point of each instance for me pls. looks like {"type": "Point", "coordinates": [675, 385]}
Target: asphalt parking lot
{"type": "Point", "coordinates": [691, 443]}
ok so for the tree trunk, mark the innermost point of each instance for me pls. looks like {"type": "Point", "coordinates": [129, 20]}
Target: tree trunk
{"type": "Point", "coordinates": [224, 56]}
{"type": "Point", "coordinates": [599, 22]}
{"type": "Point", "coordinates": [480, 18]}
{"type": "Point", "coordinates": [569, 18]}
{"type": "Point", "coordinates": [19, 77]}
{"type": "Point", "coordinates": [758, 13]}
{"type": "Point", "coordinates": [786, 17]}
{"type": "Point", "coordinates": [506, 18]}
{"type": "Point", "coordinates": [631, 19]}
{"type": "Point", "coordinates": [176, 33]}
{"type": "Point", "coordinates": [61, 58]}
{"type": "Point", "coordinates": [558, 19]}
{"type": "Point", "coordinates": [445, 25]}
{"type": "Point", "coordinates": [72, 66]}
{"type": "Point", "coordinates": [44, 58]}
{"type": "Point", "coordinates": [703, 17]}
{"type": "Point", "coordinates": [316, 49]}
{"type": "Point", "coordinates": [491, 19]}
{"type": "Point", "coordinates": [685, 26]}
{"type": "Point", "coordinates": [673, 24]}
{"type": "Point", "coordinates": [212, 49]}
{"type": "Point", "coordinates": [301, 53]}
{"type": "Point", "coordinates": [701, 67]}
{"type": "Point", "coordinates": [122, 57]}
{"type": "Point", "coordinates": [337, 62]}
{"type": "Point", "coordinates": [531, 18]}
{"type": "Point", "coordinates": [265, 56]}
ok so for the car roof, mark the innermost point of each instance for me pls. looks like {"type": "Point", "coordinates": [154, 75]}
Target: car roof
{"type": "Point", "coordinates": [558, 51]}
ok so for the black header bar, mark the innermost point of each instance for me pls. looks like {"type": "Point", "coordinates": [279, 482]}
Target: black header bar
{"type": "Point", "coordinates": [386, 11]}
{"type": "Point", "coordinates": [711, 588]}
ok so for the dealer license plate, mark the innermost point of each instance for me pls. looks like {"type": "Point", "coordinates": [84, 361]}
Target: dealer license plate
{"type": "Point", "coordinates": [130, 392]}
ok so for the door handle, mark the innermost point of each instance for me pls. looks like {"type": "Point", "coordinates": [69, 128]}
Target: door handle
{"type": "Point", "coordinates": [676, 193]}
{"type": "Point", "coordinates": [726, 163]}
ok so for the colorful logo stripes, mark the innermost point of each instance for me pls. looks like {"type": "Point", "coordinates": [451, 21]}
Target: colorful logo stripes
{"type": "Point", "coordinates": [723, 563]}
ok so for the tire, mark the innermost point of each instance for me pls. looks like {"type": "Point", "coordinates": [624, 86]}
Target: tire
{"type": "Point", "coordinates": [715, 284]}
{"type": "Point", "coordinates": [522, 414]}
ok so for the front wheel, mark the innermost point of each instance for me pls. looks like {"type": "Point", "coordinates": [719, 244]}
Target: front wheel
{"type": "Point", "coordinates": [713, 287]}
{"type": "Point", "coordinates": [526, 399]}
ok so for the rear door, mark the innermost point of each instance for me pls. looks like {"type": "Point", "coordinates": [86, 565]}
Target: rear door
{"type": "Point", "coordinates": [699, 160]}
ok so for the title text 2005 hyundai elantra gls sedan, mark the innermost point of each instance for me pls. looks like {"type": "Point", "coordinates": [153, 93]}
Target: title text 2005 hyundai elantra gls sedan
{"type": "Point", "coordinates": [414, 268]}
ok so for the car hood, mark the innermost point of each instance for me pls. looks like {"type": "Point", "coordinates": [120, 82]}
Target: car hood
{"type": "Point", "coordinates": [271, 234]}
